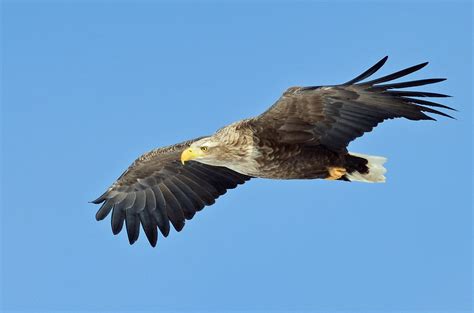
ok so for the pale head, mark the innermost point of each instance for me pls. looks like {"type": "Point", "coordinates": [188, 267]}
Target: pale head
{"type": "Point", "coordinates": [209, 150]}
{"type": "Point", "coordinates": [231, 146]}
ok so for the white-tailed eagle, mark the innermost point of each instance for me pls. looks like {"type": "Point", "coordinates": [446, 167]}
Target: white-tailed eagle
{"type": "Point", "coordinates": [304, 135]}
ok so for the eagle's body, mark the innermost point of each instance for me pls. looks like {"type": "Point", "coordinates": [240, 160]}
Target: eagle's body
{"type": "Point", "coordinates": [304, 135]}
{"type": "Point", "coordinates": [254, 151]}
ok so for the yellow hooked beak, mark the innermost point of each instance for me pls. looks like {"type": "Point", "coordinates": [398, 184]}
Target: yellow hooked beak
{"type": "Point", "coordinates": [189, 154]}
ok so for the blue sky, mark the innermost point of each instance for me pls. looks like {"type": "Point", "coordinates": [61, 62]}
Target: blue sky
{"type": "Point", "coordinates": [89, 86]}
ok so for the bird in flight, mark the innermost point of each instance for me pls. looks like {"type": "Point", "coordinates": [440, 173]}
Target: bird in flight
{"type": "Point", "coordinates": [304, 135]}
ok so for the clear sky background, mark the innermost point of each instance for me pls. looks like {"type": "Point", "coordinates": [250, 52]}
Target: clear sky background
{"type": "Point", "coordinates": [89, 86]}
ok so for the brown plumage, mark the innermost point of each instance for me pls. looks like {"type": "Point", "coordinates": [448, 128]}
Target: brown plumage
{"type": "Point", "coordinates": [304, 135]}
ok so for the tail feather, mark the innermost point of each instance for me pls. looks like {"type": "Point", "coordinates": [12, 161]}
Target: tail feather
{"type": "Point", "coordinates": [376, 169]}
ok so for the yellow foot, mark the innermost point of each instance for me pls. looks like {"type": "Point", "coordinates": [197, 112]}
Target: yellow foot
{"type": "Point", "coordinates": [336, 172]}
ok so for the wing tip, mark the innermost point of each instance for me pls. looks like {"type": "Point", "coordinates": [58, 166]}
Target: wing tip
{"type": "Point", "coordinates": [131, 240]}
{"type": "Point", "coordinates": [374, 68]}
{"type": "Point", "coordinates": [152, 242]}
{"type": "Point", "coordinates": [116, 230]}
{"type": "Point", "coordinates": [100, 199]}
{"type": "Point", "coordinates": [423, 64]}
{"type": "Point", "coordinates": [98, 217]}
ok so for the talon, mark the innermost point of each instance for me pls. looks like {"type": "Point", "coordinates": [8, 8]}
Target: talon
{"type": "Point", "coordinates": [336, 173]}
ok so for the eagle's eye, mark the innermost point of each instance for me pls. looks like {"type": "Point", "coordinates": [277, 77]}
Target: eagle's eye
{"type": "Point", "coordinates": [204, 148]}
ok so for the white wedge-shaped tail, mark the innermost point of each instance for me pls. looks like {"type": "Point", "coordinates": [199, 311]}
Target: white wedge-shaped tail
{"type": "Point", "coordinates": [376, 169]}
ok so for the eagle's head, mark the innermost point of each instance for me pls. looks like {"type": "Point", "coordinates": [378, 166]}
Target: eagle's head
{"type": "Point", "coordinates": [231, 146]}
{"type": "Point", "coordinates": [208, 150]}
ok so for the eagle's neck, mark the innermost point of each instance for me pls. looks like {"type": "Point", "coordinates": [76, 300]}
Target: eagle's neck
{"type": "Point", "coordinates": [238, 151]}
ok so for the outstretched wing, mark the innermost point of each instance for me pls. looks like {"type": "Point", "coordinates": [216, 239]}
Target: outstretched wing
{"type": "Point", "coordinates": [157, 189]}
{"type": "Point", "coordinates": [335, 115]}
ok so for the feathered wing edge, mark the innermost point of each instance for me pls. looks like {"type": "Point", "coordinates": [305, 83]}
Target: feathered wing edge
{"type": "Point", "coordinates": [174, 195]}
{"type": "Point", "coordinates": [406, 96]}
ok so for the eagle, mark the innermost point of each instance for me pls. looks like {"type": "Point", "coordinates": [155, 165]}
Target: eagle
{"type": "Point", "coordinates": [304, 135]}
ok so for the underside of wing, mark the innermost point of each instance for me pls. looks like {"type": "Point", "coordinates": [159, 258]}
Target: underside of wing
{"type": "Point", "coordinates": [157, 190]}
{"type": "Point", "coordinates": [335, 115]}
